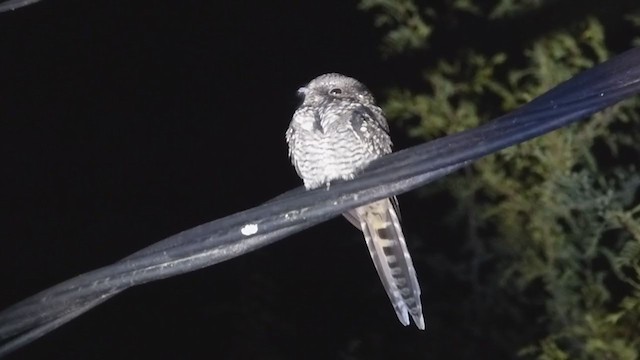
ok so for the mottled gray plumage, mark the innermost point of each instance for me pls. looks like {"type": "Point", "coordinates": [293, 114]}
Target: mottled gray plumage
{"type": "Point", "coordinates": [336, 132]}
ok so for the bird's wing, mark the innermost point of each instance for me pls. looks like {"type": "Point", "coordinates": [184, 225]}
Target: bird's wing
{"type": "Point", "coordinates": [383, 234]}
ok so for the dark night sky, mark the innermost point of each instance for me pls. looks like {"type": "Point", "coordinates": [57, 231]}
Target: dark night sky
{"type": "Point", "coordinates": [123, 122]}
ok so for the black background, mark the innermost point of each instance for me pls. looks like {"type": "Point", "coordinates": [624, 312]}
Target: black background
{"type": "Point", "coordinates": [123, 122]}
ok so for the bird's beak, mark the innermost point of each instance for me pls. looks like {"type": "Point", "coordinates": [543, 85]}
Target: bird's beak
{"type": "Point", "coordinates": [302, 92]}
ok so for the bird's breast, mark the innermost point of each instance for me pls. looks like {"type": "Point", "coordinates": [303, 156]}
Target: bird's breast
{"type": "Point", "coordinates": [331, 154]}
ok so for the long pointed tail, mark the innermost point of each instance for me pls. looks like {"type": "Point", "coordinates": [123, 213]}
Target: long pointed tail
{"type": "Point", "coordinates": [381, 227]}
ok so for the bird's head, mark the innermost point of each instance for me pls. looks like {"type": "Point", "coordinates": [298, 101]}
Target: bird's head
{"type": "Point", "coordinates": [334, 87]}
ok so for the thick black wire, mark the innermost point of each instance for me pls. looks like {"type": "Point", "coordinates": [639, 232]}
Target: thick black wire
{"type": "Point", "coordinates": [10, 5]}
{"type": "Point", "coordinates": [402, 171]}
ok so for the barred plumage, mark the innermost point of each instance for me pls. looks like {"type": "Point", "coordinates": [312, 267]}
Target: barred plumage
{"type": "Point", "coordinates": [336, 132]}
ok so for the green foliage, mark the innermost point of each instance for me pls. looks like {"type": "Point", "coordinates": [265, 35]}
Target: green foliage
{"type": "Point", "coordinates": [408, 29]}
{"type": "Point", "coordinates": [559, 215]}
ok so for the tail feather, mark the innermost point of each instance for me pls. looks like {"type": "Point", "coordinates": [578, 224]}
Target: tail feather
{"type": "Point", "coordinates": [381, 227]}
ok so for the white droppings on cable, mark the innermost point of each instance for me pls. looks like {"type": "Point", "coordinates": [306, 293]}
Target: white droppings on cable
{"type": "Point", "coordinates": [249, 229]}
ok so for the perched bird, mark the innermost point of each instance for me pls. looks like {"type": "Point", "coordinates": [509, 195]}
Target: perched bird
{"type": "Point", "coordinates": [334, 134]}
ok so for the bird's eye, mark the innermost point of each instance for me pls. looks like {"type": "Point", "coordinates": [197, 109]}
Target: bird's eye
{"type": "Point", "coordinates": [335, 91]}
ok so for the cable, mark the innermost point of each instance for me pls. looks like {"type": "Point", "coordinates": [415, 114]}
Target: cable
{"type": "Point", "coordinates": [11, 5]}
